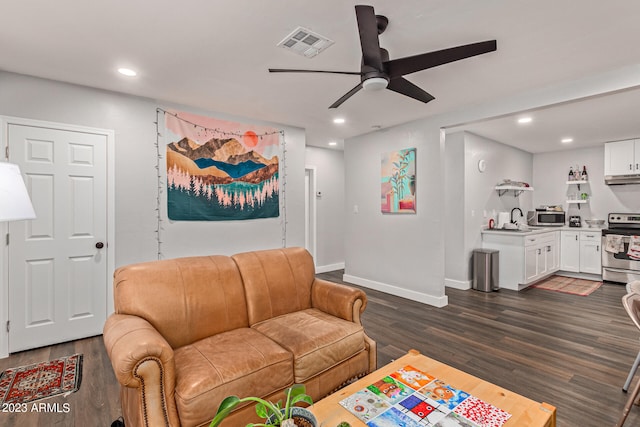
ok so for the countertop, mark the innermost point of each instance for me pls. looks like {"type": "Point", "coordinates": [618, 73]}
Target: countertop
{"type": "Point", "coordinates": [536, 230]}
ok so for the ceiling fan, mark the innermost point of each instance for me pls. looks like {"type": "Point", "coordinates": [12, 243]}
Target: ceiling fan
{"type": "Point", "coordinates": [378, 72]}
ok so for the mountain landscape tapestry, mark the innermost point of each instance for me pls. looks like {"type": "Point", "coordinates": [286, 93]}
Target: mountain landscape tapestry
{"type": "Point", "coordinates": [219, 170]}
{"type": "Point", "coordinates": [398, 182]}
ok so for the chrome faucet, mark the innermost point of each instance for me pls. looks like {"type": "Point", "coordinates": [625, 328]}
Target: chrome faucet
{"type": "Point", "coordinates": [521, 214]}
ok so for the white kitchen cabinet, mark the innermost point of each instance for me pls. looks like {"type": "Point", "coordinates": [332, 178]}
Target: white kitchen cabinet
{"type": "Point", "coordinates": [533, 262]}
{"type": "Point", "coordinates": [581, 251]}
{"type": "Point", "coordinates": [540, 256]}
{"type": "Point", "coordinates": [622, 157]}
{"type": "Point", "coordinates": [570, 251]}
{"type": "Point", "coordinates": [590, 252]}
{"type": "Point", "coordinates": [524, 258]}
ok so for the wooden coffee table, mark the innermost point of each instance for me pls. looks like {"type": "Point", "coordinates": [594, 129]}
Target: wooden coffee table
{"type": "Point", "coordinates": [524, 412]}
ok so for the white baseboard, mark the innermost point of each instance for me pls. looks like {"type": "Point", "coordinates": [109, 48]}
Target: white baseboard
{"type": "Point", "coordinates": [395, 290]}
{"type": "Point", "coordinates": [458, 284]}
{"type": "Point", "coordinates": [330, 267]}
{"type": "Point", "coordinates": [586, 276]}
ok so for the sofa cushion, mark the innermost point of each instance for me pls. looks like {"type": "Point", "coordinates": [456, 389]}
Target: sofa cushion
{"type": "Point", "coordinates": [241, 362]}
{"type": "Point", "coordinates": [276, 281]}
{"type": "Point", "coordinates": [205, 294]}
{"type": "Point", "coordinates": [318, 341]}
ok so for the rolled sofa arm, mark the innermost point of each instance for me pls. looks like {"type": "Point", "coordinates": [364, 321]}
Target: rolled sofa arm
{"type": "Point", "coordinates": [346, 303]}
{"type": "Point", "coordinates": [143, 360]}
{"type": "Point", "coordinates": [338, 300]}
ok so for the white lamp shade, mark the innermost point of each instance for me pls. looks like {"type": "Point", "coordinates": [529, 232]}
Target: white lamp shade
{"type": "Point", "coordinates": [14, 198]}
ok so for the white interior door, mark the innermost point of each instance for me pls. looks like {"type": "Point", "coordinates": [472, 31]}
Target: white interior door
{"type": "Point", "coordinates": [58, 262]}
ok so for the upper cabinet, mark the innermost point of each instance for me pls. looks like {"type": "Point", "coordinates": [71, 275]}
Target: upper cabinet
{"type": "Point", "coordinates": [622, 157]}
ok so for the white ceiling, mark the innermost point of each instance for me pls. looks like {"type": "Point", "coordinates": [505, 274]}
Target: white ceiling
{"type": "Point", "coordinates": [588, 122]}
{"type": "Point", "coordinates": [215, 55]}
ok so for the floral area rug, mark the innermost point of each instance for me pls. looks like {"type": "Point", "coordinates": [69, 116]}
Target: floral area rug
{"type": "Point", "coordinates": [41, 380]}
{"type": "Point", "coordinates": [568, 285]}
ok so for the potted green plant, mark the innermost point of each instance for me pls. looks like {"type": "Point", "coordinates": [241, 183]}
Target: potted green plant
{"type": "Point", "coordinates": [274, 414]}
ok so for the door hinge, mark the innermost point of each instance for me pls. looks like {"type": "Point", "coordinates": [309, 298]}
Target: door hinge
{"type": "Point", "coordinates": [7, 239]}
{"type": "Point", "coordinates": [8, 325]}
{"type": "Point", "coordinates": [6, 152]}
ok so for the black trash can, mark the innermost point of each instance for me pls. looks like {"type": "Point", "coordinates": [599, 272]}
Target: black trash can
{"type": "Point", "coordinates": [485, 270]}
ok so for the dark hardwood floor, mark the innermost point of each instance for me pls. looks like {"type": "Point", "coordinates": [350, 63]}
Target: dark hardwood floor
{"type": "Point", "coordinates": [97, 403]}
{"type": "Point", "coordinates": [570, 351]}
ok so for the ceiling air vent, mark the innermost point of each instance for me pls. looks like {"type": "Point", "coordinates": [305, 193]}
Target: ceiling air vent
{"type": "Point", "coordinates": [305, 42]}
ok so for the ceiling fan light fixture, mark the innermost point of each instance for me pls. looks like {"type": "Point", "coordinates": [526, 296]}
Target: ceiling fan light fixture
{"type": "Point", "coordinates": [375, 83]}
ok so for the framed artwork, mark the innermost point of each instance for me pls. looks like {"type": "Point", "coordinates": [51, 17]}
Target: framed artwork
{"type": "Point", "coordinates": [398, 182]}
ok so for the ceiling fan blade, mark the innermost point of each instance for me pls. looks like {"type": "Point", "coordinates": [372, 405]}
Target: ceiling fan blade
{"type": "Point", "coordinates": [346, 96]}
{"type": "Point", "coordinates": [286, 70]}
{"type": "Point", "coordinates": [368, 29]}
{"type": "Point", "coordinates": [411, 64]}
{"type": "Point", "coordinates": [405, 87]}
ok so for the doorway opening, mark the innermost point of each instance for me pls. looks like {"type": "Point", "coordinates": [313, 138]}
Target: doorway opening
{"type": "Point", "coordinates": [310, 214]}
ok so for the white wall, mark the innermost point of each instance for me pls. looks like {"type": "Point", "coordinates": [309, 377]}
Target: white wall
{"type": "Point", "coordinates": [469, 214]}
{"type": "Point", "coordinates": [550, 172]}
{"type": "Point", "coordinates": [455, 211]}
{"type": "Point", "coordinates": [132, 119]}
{"type": "Point", "coordinates": [329, 166]}
{"type": "Point", "coordinates": [402, 254]}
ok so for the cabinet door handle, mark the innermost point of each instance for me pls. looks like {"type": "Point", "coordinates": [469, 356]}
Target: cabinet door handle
{"type": "Point", "coordinates": [576, 237]}
{"type": "Point", "coordinates": [539, 251]}
{"type": "Point", "coordinates": [597, 248]}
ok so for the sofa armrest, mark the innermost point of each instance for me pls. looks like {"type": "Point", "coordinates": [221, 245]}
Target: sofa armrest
{"type": "Point", "coordinates": [338, 300]}
{"type": "Point", "coordinates": [142, 359]}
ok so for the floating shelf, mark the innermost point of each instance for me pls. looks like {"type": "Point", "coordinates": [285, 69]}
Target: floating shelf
{"type": "Point", "coordinates": [517, 190]}
{"type": "Point", "coordinates": [577, 202]}
{"type": "Point", "coordinates": [577, 183]}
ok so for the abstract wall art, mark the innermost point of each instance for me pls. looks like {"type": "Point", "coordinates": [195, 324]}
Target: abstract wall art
{"type": "Point", "coordinates": [219, 170]}
{"type": "Point", "coordinates": [398, 182]}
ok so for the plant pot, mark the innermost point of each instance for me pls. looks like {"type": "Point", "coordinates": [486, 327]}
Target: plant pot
{"type": "Point", "coordinates": [302, 417]}
{"type": "Point", "coordinates": [304, 414]}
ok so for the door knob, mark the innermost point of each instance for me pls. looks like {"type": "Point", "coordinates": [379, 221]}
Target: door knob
{"type": "Point", "coordinates": [99, 245]}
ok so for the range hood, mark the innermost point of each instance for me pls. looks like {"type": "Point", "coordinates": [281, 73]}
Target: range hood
{"type": "Point", "coordinates": [621, 179]}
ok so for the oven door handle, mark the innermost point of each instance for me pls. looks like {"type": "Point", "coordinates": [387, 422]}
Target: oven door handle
{"type": "Point", "coordinates": [625, 239]}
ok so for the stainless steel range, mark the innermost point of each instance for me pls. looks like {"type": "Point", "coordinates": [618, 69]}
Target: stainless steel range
{"type": "Point", "coordinates": [617, 264]}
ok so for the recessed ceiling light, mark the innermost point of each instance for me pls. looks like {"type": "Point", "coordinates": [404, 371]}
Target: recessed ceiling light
{"type": "Point", "coordinates": [333, 143]}
{"type": "Point", "coordinates": [566, 140]}
{"type": "Point", "coordinates": [338, 120]}
{"type": "Point", "coordinates": [127, 72]}
{"type": "Point", "coordinates": [522, 120]}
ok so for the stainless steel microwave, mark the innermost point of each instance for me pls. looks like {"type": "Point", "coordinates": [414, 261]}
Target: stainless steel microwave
{"type": "Point", "coordinates": [546, 218]}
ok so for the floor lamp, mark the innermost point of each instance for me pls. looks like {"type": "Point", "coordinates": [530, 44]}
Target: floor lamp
{"type": "Point", "coordinates": [14, 204]}
{"type": "Point", "coordinates": [14, 198]}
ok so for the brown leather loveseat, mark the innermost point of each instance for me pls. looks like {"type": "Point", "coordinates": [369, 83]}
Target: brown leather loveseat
{"type": "Point", "coordinates": [188, 332]}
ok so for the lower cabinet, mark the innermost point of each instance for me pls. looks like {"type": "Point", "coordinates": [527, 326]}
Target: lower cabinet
{"type": "Point", "coordinates": [524, 259]}
{"type": "Point", "coordinates": [570, 251]}
{"type": "Point", "coordinates": [581, 251]}
{"type": "Point", "coordinates": [590, 252]}
{"type": "Point", "coordinates": [541, 256]}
